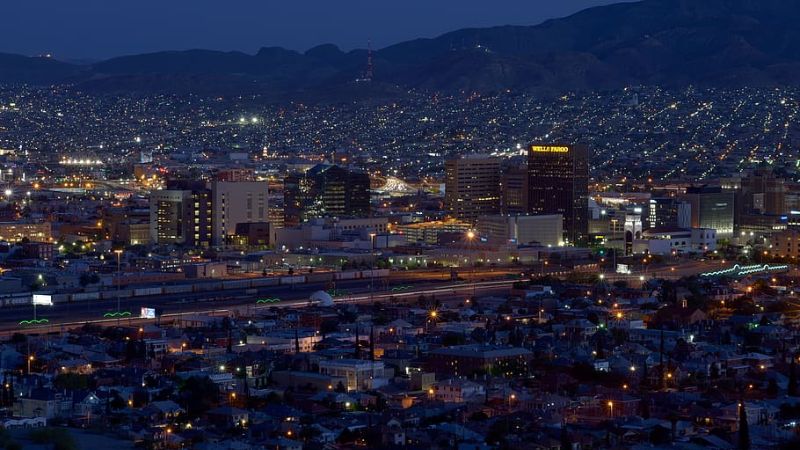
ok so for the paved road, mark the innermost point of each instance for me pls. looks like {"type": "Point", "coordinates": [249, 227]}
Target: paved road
{"type": "Point", "coordinates": [70, 315]}
{"type": "Point", "coordinates": [483, 281]}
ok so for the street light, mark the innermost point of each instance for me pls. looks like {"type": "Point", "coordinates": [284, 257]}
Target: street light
{"type": "Point", "coordinates": [372, 264]}
{"type": "Point", "coordinates": [118, 252]}
{"type": "Point", "coordinates": [611, 409]}
{"type": "Point", "coordinates": [433, 315]}
{"type": "Point", "coordinates": [470, 239]}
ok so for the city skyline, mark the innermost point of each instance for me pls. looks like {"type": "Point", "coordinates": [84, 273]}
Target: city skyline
{"type": "Point", "coordinates": [582, 234]}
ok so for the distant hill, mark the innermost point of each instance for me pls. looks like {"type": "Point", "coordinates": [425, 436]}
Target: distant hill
{"type": "Point", "coordinates": [668, 42]}
{"type": "Point", "coordinates": [39, 70]}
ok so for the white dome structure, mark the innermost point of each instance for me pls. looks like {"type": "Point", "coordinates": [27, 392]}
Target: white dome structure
{"type": "Point", "coordinates": [323, 298]}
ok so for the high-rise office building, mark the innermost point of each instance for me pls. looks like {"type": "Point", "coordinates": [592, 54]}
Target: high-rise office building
{"type": "Point", "coordinates": [472, 187]}
{"type": "Point", "coordinates": [514, 194]}
{"type": "Point", "coordinates": [558, 183]}
{"type": "Point", "coordinates": [235, 203]}
{"type": "Point", "coordinates": [545, 230]}
{"type": "Point", "coordinates": [181, 214]}
{"type": "Point", "coordinates": [325, 191]}
{"type": "Point", "coordinates": [668, 212]}
{"type": "Point", "coordinates": [712, 208]}
{"type": "Point", "coordinates": [763, 192]}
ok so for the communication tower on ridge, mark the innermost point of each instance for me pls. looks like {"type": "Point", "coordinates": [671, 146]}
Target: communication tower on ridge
{"type": "Point", "coordinates": [369, 70]}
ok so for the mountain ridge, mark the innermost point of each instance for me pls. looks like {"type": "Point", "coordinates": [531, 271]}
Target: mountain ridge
{"type": "Point", "coordinates": [667, 42]}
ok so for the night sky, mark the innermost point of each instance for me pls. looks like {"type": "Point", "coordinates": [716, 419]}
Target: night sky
{"type": "Point", "coordinates": [104, 28]}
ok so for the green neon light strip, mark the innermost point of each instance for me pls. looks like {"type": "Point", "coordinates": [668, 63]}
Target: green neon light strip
{"type": "Point", "coordinates": [33, 322]}
{"type": "Point", "coordinates": [738, 270]}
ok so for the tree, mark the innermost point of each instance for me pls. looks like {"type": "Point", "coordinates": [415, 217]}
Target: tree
{"type": "Point", "coordinates": [199, 394]}
{"type": "Point", "coordinates": [660, 436]}
{"type": "Point", "coordinates": [566, 444]}
{"type": "Point", "coordinates": [744, 428]}
{"type": "Point", "coordinates": [772, 388]}
{"type": "Point", "coordinates": [71, 381]}
{"type": "Point", "coordinates": [478, 416]}
{"type": "Point", "coordinates": [682, 350]}
{"type": "Point", "coordinates": [645, 383]}
{"type": "Point", "coordinates": [117, 402]}
{"type": "Point", "coordinates": [644, 408]}
{"type": "Point", "coordinates": [59, 438]}
{"type": "Point", "coordinates": [328, 326]}
{"type": "Point", "coordinates": [308, 433]}
{"type": "Point", "coordinates": [497, 432]}
{"type": "Point", "coordinates": [88, 278]}
{"type": "Point", "coordinates": [714, 371]}
{"type": "Point", "coordinates": [478, 335]}
{"type": "Point", "coordinates": [346, 436]}
{"type": "Point", "coordinates": [452, 339]}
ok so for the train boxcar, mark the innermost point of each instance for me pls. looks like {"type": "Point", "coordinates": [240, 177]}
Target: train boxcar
{"type": "Point", "coordinates": [206, 287]}
{"type": "Point", "coordinates": [265, 282]}
{"type": "Point", "coordinates": [60, 298]}
{"type": "Point", "coordinates": [144, 292]}
{"type": "Point", "coordinates": [237, 284]}
{"type": "Point", "coordinates": [292, 280]}
{"type": "Point", "coordinates": [375, 273]}
{"type": "Point", "coordinates": [351, 275]}
{"type": "Point", "coordinates": [177, 289]}
{"type": "Point", "coordinates": [319, 277]}
{"type": "Point", "coordinates": [113, 294]}
{"type": "Point", "coordinates": [18, 301]}
{"type": "Point", "coordinates": [85, 296]}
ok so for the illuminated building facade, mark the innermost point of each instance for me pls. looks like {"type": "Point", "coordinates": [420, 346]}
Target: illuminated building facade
{"type": "Point", "coordinates": [325, 191]}
{"type": "Point", "coordinates": [33, 231]}
{"type": "Point", "coordinates": [181, 214]}
{"type": "Point", "coordinates": [668, 212]}
{"type": "Point", "coordinates": [237, 202]}
{"type": "Point", "coordinates": [546, 230]}
{"type": "Point", "coordinates": [558, 182]}
{"type": "Point", "coordinates": [429, 232]}
{"type": "Point", "coordinates": [515, 190]}
{"type": "Point", "coordinates": [472, 187]}
{"type": "Point", "coordinates": [785, 244]}
{"type": "Point", "coordinates": [712, 208]}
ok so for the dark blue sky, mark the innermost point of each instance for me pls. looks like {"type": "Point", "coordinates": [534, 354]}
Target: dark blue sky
{"type": "Point", "coordinates": [103, 28]}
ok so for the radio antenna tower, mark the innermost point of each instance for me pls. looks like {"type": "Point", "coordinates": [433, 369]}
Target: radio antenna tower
{"type": "Point", "coordinates": [370, 70]}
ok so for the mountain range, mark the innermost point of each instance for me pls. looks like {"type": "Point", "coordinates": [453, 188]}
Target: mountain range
{"type": "Point", "coordinates": [721, 43]}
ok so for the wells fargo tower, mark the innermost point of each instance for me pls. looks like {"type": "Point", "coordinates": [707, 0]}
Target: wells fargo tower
{"type": "Point", "coordinates": [558, 183]}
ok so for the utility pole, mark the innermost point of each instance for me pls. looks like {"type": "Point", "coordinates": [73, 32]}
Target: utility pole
{"type": "Point", "coordinates": [372, 343]}
{"type": "Point", "coordinates": [118, 252]}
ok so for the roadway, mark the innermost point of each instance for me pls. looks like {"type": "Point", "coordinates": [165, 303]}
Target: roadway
{"type": "Point", "coordinates": [64, 316]}
{"type": "Point", "coordinates": [484, 281]}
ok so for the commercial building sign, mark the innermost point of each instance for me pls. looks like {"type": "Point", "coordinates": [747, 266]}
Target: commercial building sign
{"type": "Point", "coordinates": [549, 149]}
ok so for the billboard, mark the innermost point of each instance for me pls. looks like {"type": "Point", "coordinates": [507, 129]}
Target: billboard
{"type": "Point", "coordinates": [42, 300]}
{"type": "Point", "coordinates": [147, 313]}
